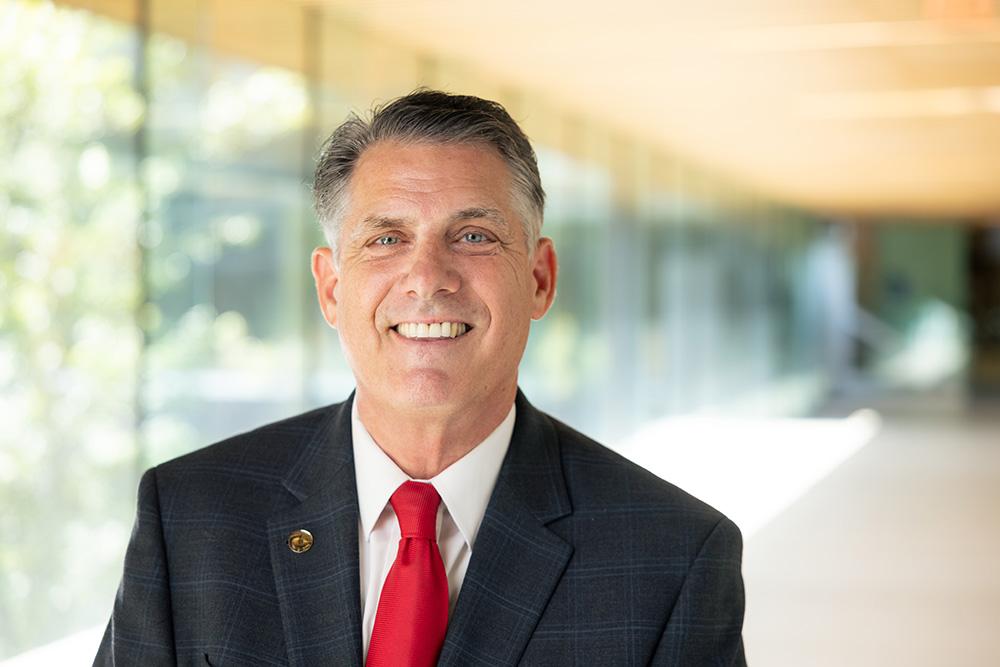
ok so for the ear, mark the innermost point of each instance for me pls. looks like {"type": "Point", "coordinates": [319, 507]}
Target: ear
{"type": "Point", "coordinates": [544, 271]}
{"type": "Point", "coordinates": [326, 276]}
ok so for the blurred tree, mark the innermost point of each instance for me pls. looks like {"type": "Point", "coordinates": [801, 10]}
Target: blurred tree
{"type": "Point", "coordinates": [184, 236]}
{"type": "Point", "coordinates": [69, 287]}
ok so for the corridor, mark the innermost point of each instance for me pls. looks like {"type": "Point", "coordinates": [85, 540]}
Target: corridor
{"type": "Point", "coordinates": [894, 558]}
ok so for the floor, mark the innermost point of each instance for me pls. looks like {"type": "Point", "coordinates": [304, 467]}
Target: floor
{"type": "Point", "coordinates": [893, 558]}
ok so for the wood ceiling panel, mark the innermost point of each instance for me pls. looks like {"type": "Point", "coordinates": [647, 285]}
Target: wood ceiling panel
{"type": "Point", "coordinates": [880, 104]}
{"type": "Point", "coordinates": [877, 104]}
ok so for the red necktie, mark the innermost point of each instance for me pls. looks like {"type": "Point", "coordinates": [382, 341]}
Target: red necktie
{"type": "Point", "coordinates": [412, 610]}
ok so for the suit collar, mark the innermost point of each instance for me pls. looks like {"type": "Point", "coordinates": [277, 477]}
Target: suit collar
{"type": "Point", "coordinates": [534, 465]}
{"type": "Point", "coordinates": [318, 590]}
{"type": "Point", "coordinates": [326, 452]}
{"type": "Point", "coordinates": [518, 561]}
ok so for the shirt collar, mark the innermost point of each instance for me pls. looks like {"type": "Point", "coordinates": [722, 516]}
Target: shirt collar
{"type": "Point", "coordinates": [465, 486]}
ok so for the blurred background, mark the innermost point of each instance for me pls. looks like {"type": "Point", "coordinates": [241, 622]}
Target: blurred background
{"type": "Point", "coordinates": [779, 230]}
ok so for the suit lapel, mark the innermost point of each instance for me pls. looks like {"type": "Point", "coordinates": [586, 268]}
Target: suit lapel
{"type": "Point", "coordinates": [517, 562]}
{"type": "Point", "coordinates": [318, 590]}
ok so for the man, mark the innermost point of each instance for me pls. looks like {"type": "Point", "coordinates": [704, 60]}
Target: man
{"type": "Point", "coordinates": [434, 516]}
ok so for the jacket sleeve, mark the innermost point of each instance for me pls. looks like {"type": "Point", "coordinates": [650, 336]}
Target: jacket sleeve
{"type": "Point", "coordinates": [140, 631]}
{"type": "Point", "coordinates": [705, 627]}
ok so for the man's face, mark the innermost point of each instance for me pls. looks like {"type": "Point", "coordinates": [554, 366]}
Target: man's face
{"type": "Point", "coordinates": [435, 288]}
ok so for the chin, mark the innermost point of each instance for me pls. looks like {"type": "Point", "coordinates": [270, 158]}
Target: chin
{"type": "Point", "coordinates": [429, 389]}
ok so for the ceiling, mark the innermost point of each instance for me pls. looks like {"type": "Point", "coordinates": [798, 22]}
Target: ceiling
{"type": "Point", "coordinates": [882, 107]}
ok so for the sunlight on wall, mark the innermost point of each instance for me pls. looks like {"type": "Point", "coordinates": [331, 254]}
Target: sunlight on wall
{"type": "Point", "coordinates": [749, 469]}
{"type": "Point", "coordinates": [70, 651]}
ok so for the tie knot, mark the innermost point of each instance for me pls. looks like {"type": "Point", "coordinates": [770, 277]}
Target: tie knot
{"type": "Point", "coordinates": [416, 504]}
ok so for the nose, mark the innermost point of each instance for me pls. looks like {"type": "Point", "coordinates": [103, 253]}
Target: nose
{"type": "Point", "coordinates": [431, 272]}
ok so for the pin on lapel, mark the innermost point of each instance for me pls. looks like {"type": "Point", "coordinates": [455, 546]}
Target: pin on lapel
{"type": "Point", "coordinates": [300, 541]}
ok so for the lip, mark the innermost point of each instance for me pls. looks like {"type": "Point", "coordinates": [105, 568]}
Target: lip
{"type": "Point", "coordinates": [428, 341]}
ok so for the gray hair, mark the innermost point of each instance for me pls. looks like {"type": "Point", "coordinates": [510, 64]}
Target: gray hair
{"type": "Point", "coordinates": [436, 117]}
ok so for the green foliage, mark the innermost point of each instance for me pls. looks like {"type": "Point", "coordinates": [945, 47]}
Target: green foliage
{"type": "Point", "coordinates": [69, 288]}
{"type": "Point", "coordinates": [142, 237]}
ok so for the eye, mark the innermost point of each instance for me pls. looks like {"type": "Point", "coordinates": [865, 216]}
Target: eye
{"type": "Point", "coordinates": [387, 239]}
{"type": "Point", "coordinates": [475, 237]}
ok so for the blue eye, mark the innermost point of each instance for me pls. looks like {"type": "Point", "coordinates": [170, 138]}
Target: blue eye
{"type": "Point", "coordinates": [475, 237]}
{"type": "Point", "coordinates": [387, 240]}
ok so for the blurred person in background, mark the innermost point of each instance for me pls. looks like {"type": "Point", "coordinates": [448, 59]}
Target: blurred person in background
{"type": "Point", "coordinates": [435, 516]}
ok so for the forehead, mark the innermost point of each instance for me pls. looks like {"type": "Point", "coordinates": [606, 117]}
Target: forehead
{"type": "Point", "coordinates": [427, 173]}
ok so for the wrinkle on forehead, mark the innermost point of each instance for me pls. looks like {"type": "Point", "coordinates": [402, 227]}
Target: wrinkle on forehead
{"type": "Point", "coordinates": [398, 182]}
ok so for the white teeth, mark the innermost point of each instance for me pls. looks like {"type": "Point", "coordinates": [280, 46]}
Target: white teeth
{"type": "Point", "coordinates": [434, 330]}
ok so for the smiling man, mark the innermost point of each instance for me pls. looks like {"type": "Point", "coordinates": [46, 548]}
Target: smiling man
{"type": "Point", "coordinates": [431, 282]}
{"type": "Point", "coordinates": [435, 516]}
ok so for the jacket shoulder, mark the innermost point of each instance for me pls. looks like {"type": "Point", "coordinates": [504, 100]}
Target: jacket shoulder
{"type": "Point", "coordinates": [267, 445]}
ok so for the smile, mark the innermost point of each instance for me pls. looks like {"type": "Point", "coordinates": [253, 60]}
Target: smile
{"type": "Point", "coordinates": [431, 330]}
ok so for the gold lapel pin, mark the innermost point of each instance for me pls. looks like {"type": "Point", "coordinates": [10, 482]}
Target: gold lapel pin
{"type": "Point", "coordinates": [300, 541]}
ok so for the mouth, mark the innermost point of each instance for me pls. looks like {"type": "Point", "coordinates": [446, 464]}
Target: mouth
{"type": "Point", "coordinates": [432, 330]}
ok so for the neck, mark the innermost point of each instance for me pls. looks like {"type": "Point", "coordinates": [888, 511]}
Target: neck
{"type": "Point", "coordinates": [424, 441]}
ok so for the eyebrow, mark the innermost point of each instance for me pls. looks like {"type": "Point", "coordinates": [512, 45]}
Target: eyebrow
{"type": "Point", "coordinates": [377, 222]}
{"type": "Point", "coordinates": [478, 212]}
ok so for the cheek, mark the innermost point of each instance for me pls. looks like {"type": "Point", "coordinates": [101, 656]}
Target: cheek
{"type": "Point", "coordinates": [511, 313]}
{"type": "Point", "coordinates": [509, 301]}
{"type": "Point", "coordinates": [358, 304]}
{"type": "Point", "coordinates": [507, 281]}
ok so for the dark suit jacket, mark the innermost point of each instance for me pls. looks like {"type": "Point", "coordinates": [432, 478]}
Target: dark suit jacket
{"type": "Point", "coordinates": [583, 558]}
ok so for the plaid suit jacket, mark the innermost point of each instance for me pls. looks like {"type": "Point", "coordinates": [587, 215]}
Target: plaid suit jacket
{"type": "Point", "coordinates": [583, 558]}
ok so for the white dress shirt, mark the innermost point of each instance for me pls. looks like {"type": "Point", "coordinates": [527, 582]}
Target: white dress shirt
{"type": "Point", "coordinates": [464, 486]}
